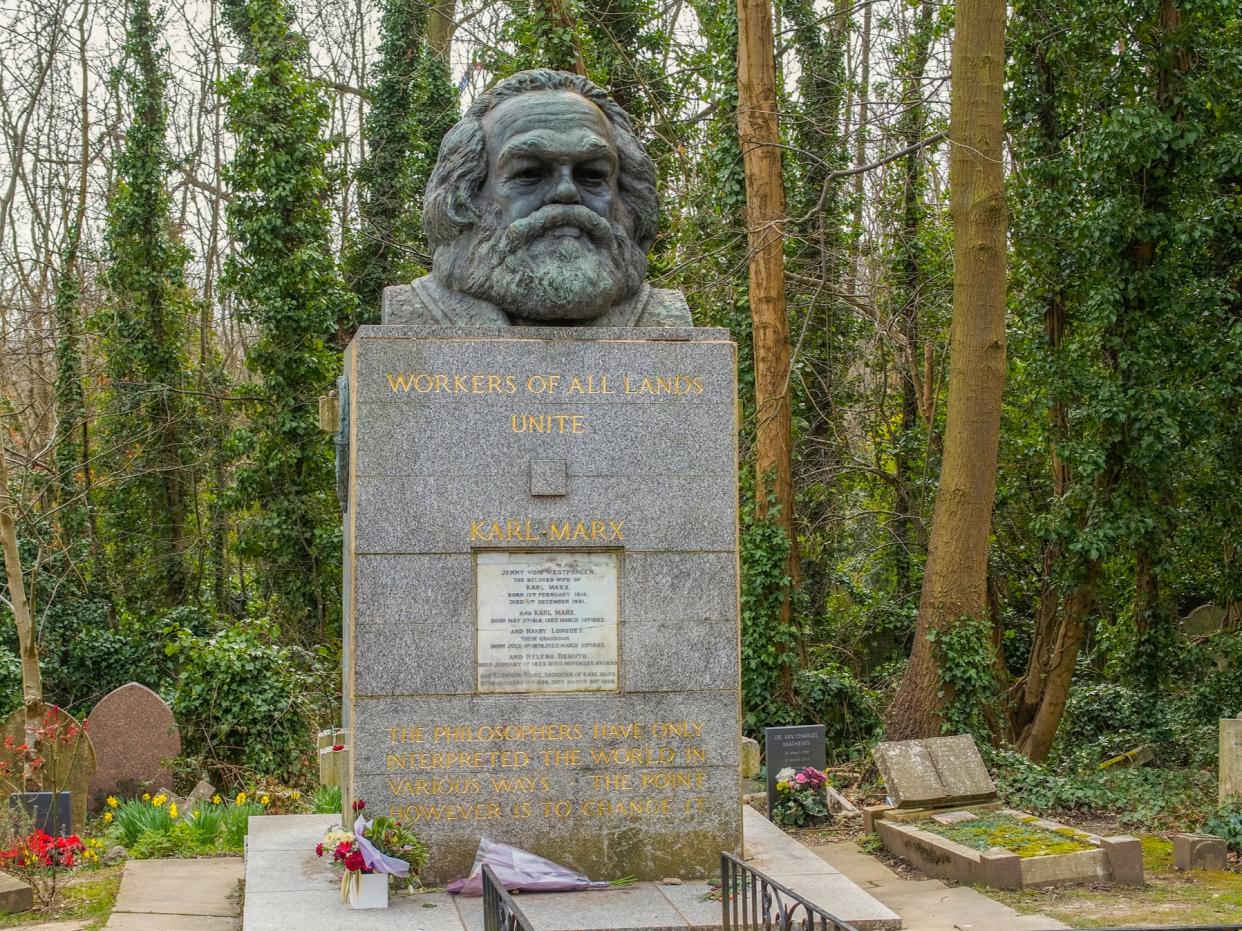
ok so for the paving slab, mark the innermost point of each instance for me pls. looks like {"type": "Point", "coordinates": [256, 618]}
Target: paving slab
{"type": "Point", "coordinates": [180, 887]}
{"type": "Point", "coordinates": [929, 904]}
{"type": "Point", "coordinates": [131, 922]}
{"type": "Point", "coordinates": [288, 832]}
{"type": "Point", "coordinates": [288, 887]}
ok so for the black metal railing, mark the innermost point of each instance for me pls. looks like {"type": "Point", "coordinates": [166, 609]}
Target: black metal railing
{"type": "Point", "coordinates": [751, 901]}
{"type": "Point", "coordinates": [500, 912]}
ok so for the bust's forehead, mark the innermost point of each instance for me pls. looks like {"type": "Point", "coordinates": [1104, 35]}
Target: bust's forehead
{"type": "Point", "coordinates": [556, 111]}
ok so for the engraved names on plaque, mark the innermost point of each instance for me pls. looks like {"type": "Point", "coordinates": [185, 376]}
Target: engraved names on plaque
{"type": "Point", "coordinates": [547, 621]}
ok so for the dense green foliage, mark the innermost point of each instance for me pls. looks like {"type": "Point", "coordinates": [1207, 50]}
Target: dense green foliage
{"type": "Point", "coordinates": [183, 531]}
{"type": "Point", "coordinates": [414, 103]}
{"type": "Point", "coordinates": [147, 417]}
{"type": "Point", "coordinates": [245, 699]}
{"type": "Point", "coordinates": [284, 280]}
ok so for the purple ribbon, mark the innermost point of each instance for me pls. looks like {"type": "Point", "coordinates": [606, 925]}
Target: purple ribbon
{"type": "Point", "coordinates": [376, 861]}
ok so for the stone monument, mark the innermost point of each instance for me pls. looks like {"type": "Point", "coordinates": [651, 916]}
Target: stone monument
{"type": "Point", "coordinates": [538, 472]}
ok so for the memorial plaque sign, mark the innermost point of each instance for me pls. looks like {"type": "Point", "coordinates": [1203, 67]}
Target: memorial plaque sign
{"type": "Point", "coordinates": [547, 621]}
{"type": "Point", "coordinates": [799, 746]}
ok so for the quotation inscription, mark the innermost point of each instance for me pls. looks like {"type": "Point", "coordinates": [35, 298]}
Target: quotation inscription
{"type": "Point", "coordinates": [550, 385]}
{"type": "Point", "coordinates": [466, 772]}
{"type": "Point", "coordinates": [547, 622]}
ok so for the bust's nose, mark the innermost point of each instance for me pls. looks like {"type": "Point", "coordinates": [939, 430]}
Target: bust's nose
{"type": "Point", "coordinates": [564, 191]}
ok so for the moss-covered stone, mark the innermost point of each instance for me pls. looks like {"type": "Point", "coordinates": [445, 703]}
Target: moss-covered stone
{"type": "Point", "coordinates": [1013, 834]}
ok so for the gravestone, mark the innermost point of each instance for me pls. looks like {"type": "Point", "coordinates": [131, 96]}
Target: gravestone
{"type": "Point", "coordinates": [541, 642]}
{"type": "Point", "coordinates": [937, 771]}
{"type": "Point", "coordinates": [1203, 621]}
{"type": "Point", "coordinates": [69, 759]}
{"type": "Point", "coordinates": [134, 733]}
{"type": "Point", "coordinates": [1230, 758]}
{"type": "Point", "coordinates": [799, 746]}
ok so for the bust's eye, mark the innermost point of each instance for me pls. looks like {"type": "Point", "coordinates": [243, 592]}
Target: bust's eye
{"type": "Point", "coordinates": [529, 173]}
{"type": "Point", "coordinates": [591, 174]}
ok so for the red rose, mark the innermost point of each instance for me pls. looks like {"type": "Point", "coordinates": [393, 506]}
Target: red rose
{"type": "Point", "coordinates": [354, 861]}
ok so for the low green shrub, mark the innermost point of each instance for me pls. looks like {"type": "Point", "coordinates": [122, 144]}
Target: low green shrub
{"type": "Point", "coordinates": [1146, 797]}
{"type": "Point", "coordinates": [1226, 822]}
{"type": "Point", "coordinates": [236, 822]}
{"type": "Point", "coordinates": [326, 800]}
{"type": "Point", "coordinates": [244, 699]}
{"type": "Point", "coordinates": [832, 696]}
{"type": "Point", "coordinates": [132, 819]}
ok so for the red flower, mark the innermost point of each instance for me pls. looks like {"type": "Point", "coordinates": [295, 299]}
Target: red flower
{"type": "Point", "coordinates": [359, 805]}
{"type": "Point", "coordinates": [354, 861]}
{"type": "Point", "coordinates": [319, 850]}
{"type": "Point", "coordinates": [337, 748]}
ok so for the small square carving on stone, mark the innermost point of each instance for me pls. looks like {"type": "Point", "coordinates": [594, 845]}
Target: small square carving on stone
{"type": "Point", "coordinates": [548, 478]}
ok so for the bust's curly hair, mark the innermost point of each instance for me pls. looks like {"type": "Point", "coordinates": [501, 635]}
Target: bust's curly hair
{"type": "Point", "coordinates": [451, 204]}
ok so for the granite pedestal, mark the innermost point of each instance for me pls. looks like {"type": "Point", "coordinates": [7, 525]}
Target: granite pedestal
{"type": "Point", "coordinates": [541, 640]}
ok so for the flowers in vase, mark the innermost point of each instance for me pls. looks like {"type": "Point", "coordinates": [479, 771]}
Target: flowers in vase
{"type": "Point", "coordinates": [801, 800]}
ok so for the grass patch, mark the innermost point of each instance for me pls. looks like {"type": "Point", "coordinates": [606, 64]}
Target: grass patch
{"type": "Point", "coordinates": [997, 830]}
{"type": "Point", "coordinates": [90, 895]}
{"type": "Point", "coordinates": [1202, 897]}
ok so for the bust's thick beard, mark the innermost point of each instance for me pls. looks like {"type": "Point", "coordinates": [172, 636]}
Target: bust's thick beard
{"type": "Point", "coordinates": [527, 270]}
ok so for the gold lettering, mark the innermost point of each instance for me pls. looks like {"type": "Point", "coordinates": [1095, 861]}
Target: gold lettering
{"type": "Point", "coordinates": [399, 382]}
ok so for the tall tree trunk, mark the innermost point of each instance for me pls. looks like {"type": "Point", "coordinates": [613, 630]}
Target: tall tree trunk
{"type": "Point", "coordinates": [955, 581]}
{"type": "Point", "coordinates": [765, 212]}
{"type": "Point", "coordinates": [912, 126]}
{"type": "Point", "coordinates": [28, 647]}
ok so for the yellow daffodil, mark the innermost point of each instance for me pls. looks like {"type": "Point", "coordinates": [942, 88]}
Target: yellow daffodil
{"type": "Point", "coordinates": [112, 802]}
{"type": "Point", "coordinates": [215, 799]}
{"type": "Point", "coordinates": [241, 798]}
{"type": "Point", "coordinates": [159, 800]}
{"type": "Point", "coordinates": [295, 795]}
{"type": "Point", "coordinates": [107, 817]}
{"type": "Point", "coordinates": [146, 796]}
{"type": "Point", "coordinates": [265, 800]}
{"type": "Point", "coordinates": [172, 811]}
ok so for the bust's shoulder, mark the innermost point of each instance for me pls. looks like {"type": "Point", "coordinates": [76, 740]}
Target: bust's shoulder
{"type": "Point", "coordinates": [665, 307]}
{"type": "Point", "coordinates": [427, 303]}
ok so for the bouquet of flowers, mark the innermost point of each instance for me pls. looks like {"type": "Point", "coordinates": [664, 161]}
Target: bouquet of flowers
{"type": "Point", "coordinates": [379, 846]}
{"type": "Point", "coordinates": [801, 800]}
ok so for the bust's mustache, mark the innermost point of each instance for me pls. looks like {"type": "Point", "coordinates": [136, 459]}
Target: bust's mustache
{"type": "Point", "coordinates": [522, 232]}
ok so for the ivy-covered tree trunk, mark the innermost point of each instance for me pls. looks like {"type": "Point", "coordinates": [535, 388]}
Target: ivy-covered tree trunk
{"type": "Point", "coordinates": [285, 283]}
{"type": "Point", "coordinates": [414, 103]}
{"type": "Point", "coordinates": [765, 212]}
{"type": "Point", "coordinates": [955, 580]}
{"type": "Point", "coordinates": [911, 287]}
{"type": "Point", "coordinates": [147, 414]}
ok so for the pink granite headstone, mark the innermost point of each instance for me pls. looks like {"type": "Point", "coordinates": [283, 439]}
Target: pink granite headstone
{"type": "Point", "coordinates": [134, 733]}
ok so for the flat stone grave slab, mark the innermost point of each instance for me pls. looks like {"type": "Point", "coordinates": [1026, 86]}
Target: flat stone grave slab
{"type": "Point", "coordinates": [134, 732]}
{"type": "Point", "coordinates": [287, 886]}
{"type": "Point", "coordinates": [933, 772]}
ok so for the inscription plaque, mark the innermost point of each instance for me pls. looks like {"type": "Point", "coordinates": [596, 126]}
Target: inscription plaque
{"type": "Point", "coordinates": [547, 621]}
